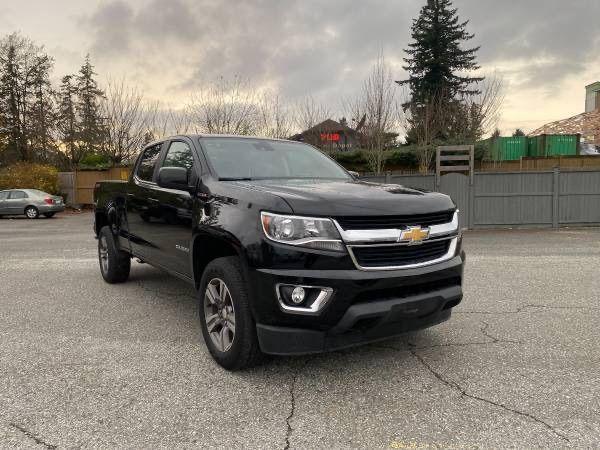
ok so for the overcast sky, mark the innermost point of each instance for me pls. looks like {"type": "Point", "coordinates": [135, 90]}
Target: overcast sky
{"type": "Point", "coordinates": [546, 50]}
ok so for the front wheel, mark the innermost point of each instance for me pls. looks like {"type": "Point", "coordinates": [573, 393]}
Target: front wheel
{"type": "Point", "coordinates": [227, 324]}
{"type": "Point", "coordinates": [32, 212]}
{"type": "Point", "coordinates": [114, 263]}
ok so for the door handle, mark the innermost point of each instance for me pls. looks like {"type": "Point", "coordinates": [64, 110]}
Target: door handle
{"type": "Point", "coordinates": [153, 200]}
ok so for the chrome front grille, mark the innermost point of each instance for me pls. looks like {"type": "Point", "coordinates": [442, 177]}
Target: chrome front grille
{"type": "Point", "coordinates": [403, 256]}
{"type": "Point", "coordinates": [400, 255]}
{"type": "Point", "coordinates": [396, 221]}
{"type": "Point", "coordinates": [384, 247]}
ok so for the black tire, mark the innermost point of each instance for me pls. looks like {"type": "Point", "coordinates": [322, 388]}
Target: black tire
{"type": "Point", "coordinates": [32, 212]}
{"type": "Point", "coordinates": [114, 263]}
{"type": "Point", "coordinates": [244, 350]}
{"type": "Point", "coordinates": [49, 215]}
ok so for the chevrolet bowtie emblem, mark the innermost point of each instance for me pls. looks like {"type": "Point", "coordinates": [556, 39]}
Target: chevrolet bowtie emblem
{"type": "Point", "coordinates": [414, 235]}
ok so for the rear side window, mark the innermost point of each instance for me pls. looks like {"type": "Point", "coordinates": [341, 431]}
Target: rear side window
{"type": "Point", "coordinates": [145, 169]}
{"type": "Point", "coordinates": [18, 194]}
{"type": "Point", "coordinates": [3, 195]}
{"type": "Point", "coordinates": [179, 155]}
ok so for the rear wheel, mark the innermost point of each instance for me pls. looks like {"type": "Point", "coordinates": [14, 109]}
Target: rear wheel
{"type": "Point", "coordinates": [32, 212]}
{"type": "Point", "coordinates": [227, 324]}
{"type": "Point", "coordinates": [49, 215]}
{"type": "Point", "coordinates": [115, 264]}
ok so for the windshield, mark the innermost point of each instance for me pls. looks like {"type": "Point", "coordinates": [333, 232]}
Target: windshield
{"type": "Point", "coordinates": [243, 158]}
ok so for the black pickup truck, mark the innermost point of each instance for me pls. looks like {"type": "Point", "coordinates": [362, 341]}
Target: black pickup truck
{"type": "Point", "coordinates": [289, 252]}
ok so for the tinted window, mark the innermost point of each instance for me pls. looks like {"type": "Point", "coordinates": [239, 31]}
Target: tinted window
{"type": "Point", "coordinates": [3, 195]}
{"type": "Point", "coordinates": [258, 158]}
{"type": "Point", "coordinates": [18, 194]}
{"type": "Point", "coordinates": [145, 169]}
{"type": "Point", "coordinates": [179, 155]}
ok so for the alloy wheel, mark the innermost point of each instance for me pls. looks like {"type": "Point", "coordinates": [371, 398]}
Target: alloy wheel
{"type": "Point", "coordinates": [219, 314]}
{"type": "Point", "coordinates": [31, 213]}
{"type": "Point", "coordinates": [103, 251]}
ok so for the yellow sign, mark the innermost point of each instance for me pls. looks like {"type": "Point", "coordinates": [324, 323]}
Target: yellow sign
{"type": "Point", "coordinates": [414, 235]}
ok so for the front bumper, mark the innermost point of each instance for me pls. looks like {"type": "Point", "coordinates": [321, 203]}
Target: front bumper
{"type": "Point", "coordinates": [363, 323]}
{"type": "Point", "coordinates": [365, 305]}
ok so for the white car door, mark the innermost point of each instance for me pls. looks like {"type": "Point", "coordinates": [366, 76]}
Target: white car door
{"type": "Point", "coordinates": [3, 205]}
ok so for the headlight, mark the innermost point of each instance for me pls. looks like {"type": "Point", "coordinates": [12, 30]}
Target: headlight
{"type": "Point", "coordinates": [312, 232]}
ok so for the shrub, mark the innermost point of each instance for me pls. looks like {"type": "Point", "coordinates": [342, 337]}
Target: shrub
{"type": "Point", "coordinates": [406, 157]}
{"type": "Point", "coordinates": [94, 161]}
{"type": "Point", "coordinates": [354, 158]}
{"type": "Point", "coordinates": [30, 176]}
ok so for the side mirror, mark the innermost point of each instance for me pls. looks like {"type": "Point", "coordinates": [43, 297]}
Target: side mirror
{"type": "Point", "coordinates": [354, 174]}
{"type": "Point", "coordinates": [173, 178]}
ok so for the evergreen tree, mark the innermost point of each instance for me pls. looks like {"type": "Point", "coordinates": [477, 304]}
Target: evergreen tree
{"type": "Point", "coordinates": [67, 119]}
{"type": "Point", "coordinates": [24, 87]}
{"type": "Point", "coordinates": [42, 114]}
{"type": "Point", "coordinates": [518, 132]}
{"type": "Point", "coordinates": [436, 61]}
{"type": "Point", "coordinates": [90, 134]}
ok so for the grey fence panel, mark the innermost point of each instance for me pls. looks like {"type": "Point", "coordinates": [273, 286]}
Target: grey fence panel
{"type": "Point", "coordinates": [579, 198]}
{"type": "Point", "coordinates": [456, 185]}
{"type": "Point", "coordinates": [507, 199]}
{"type": "Point", "coordinates": [513, 199]}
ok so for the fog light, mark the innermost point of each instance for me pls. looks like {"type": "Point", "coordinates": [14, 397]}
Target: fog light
{"type": "Point", "coordinates": [302, 299]}
{"type": "Point", "coordinates": [298, 295]}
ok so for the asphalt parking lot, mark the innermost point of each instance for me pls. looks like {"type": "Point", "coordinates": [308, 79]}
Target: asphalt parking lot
{"type": "Point", "coordinates": [87, 364]}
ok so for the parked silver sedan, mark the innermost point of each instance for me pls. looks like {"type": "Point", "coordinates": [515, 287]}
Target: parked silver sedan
{"type": "Point", "coordinates": [30, 202]}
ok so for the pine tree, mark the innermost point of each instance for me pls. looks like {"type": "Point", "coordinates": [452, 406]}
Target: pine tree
{"type": "Point", "coordinates": [42, 114]}
{"type": "Point", "coordinates": [436, 61]}
{"type": "Point", "coordinates": [67, 120]}
{"type": "Point", "coordinates": [518, 132]}
{"type": "Point", "coordinates": [90, 134]}
{"type": "Point", "coordinates": [24, 85]}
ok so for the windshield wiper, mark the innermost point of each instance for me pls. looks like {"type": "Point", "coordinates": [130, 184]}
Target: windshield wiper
{"type": "Point", "coordinates": [235, 179]}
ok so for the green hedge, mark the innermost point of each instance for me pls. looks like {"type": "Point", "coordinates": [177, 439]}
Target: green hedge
{"type": "Point", "coordinates": [93, 161]}
{"type": "Point", "coordinates": [30, 176]}
{"type": "Point", "coordinates": [406, 157]}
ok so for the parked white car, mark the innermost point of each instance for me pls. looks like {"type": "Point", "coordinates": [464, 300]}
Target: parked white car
{"type": "Point", "coordinates": [30, 202]}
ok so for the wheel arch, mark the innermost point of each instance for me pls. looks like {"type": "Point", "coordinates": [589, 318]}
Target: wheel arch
{"type": "Point", "coordinates": [208, 247]}
{"type": "Point", "coordinates": [100, 220]}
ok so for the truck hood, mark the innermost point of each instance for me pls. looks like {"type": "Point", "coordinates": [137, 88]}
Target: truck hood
{"type": "Point", "coordinates": [351, 198]}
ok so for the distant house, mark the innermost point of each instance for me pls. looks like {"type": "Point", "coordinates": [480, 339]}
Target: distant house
{"type": "Point", "coordinates": [586, 124]}
{"type": "Point", "coordinates": [331, 136]}
{"type": "Point", "coordinates": [592, 97]}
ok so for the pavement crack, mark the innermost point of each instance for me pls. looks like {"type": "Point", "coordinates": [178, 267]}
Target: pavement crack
{"type": "Point", "coordinates": [32, 436]}
{"type": "Point", "coordinates": [290, 416]}
{"type": "Point", "coordinates": [496, 340]}
{"type": "Point", "coordinates": [454, 385]}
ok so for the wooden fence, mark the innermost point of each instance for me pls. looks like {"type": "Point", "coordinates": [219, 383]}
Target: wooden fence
{"type": "Point", "coordinates": [78, 186]}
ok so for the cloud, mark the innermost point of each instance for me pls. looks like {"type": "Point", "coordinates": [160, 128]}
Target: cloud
{"type": "Point", "coordinates": [325, 49]}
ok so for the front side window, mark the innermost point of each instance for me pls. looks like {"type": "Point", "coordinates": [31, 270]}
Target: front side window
{"type": "Point", "coordinates": [235, 158]}
{"type": "Point", "coordinates": [179, 155]}
{"type": "Point", "coordinates": [17, 195]}
{"type": "Point", "coordinates": [145, 170]}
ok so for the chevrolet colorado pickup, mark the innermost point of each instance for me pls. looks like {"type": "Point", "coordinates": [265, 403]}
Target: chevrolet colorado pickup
{"type": "Point", "coordinates": [288, 251]}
